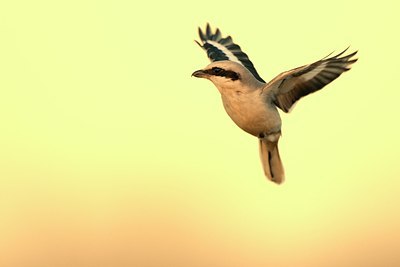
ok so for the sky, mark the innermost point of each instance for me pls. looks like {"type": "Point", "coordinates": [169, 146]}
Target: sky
{"type": "Point", "coordinates": [111, 154]}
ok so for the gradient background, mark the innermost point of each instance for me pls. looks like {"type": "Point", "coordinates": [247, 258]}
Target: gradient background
{"type": "Point", "coordinates": [112, 155]}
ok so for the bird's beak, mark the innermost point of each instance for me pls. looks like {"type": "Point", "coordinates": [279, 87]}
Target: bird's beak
{"type": "Point", "coordinates": [199, 74]}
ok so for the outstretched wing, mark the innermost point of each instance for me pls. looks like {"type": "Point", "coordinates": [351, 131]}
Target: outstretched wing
{"type": "Point", "coordinates": [290, 86]}
{"type": "Point", "coordinates": [219, 48]}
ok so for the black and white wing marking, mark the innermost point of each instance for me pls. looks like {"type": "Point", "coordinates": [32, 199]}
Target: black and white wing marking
{"type": "Point", "coordinates": [219, 49]}
{"type": "Point", "coordinates": [292, 85]}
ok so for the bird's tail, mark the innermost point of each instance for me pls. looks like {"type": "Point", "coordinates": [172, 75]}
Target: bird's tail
{"type": "Point", "coordinates": [271, 161]}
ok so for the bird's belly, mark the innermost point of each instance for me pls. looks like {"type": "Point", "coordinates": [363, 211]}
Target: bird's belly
{"type": "Point", "coordinates": [252, 116]}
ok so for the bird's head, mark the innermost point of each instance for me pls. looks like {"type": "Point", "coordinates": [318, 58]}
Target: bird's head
{"type": "Point", "coordinates": [227, 75]}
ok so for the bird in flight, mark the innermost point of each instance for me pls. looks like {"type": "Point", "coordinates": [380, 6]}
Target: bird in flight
{"type": "Point", "coordinates": [253, 103]}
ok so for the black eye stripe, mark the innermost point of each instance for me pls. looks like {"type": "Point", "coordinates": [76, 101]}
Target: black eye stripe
{"type": "Point", "coordinates": [223, 73]}
{"type": "Point", "coordinates": [216, 70]}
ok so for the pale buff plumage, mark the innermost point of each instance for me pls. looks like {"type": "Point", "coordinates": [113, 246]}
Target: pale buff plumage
{"type": "Point", "coordinates": [253, 104]}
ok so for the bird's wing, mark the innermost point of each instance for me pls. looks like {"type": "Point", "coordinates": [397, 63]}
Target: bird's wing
{"type": "Point", "coordinates": [219, 48]}
{"type": "Point", "coordinates": [290, 86]}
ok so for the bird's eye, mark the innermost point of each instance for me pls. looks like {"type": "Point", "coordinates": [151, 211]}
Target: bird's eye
{"type": "Point", "coordinates": [216, 70]}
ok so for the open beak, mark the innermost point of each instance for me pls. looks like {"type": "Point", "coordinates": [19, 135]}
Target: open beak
{"type": "Point", "coordinates": [199, 74]}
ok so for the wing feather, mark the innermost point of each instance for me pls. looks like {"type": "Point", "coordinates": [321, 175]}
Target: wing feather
{"type": "Point", "coordinates": [290, 86]}
{"type": "Point", "coordinates": [219, 48]}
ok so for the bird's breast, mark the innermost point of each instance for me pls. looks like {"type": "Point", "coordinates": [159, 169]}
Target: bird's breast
{"type": "Point", "coordinates": [251, 112]}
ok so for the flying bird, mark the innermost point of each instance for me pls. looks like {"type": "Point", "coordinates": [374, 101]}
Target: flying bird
{"type": "Point", "coordinates": [253, 103]}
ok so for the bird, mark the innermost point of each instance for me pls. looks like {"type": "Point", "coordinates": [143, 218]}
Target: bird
{"type": "Point", "coordinates": [251, 102]}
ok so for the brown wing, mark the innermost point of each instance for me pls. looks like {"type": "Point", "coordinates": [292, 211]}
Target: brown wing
{"type": "Point", "coordinates": [292, 85]}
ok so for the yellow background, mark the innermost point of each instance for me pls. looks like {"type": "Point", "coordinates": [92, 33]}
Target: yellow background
{"type": "Point", "coordinates": [112, 155]}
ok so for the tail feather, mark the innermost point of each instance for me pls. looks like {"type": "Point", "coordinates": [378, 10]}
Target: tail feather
{"type": "Point", "coordinates": [271, 161]}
